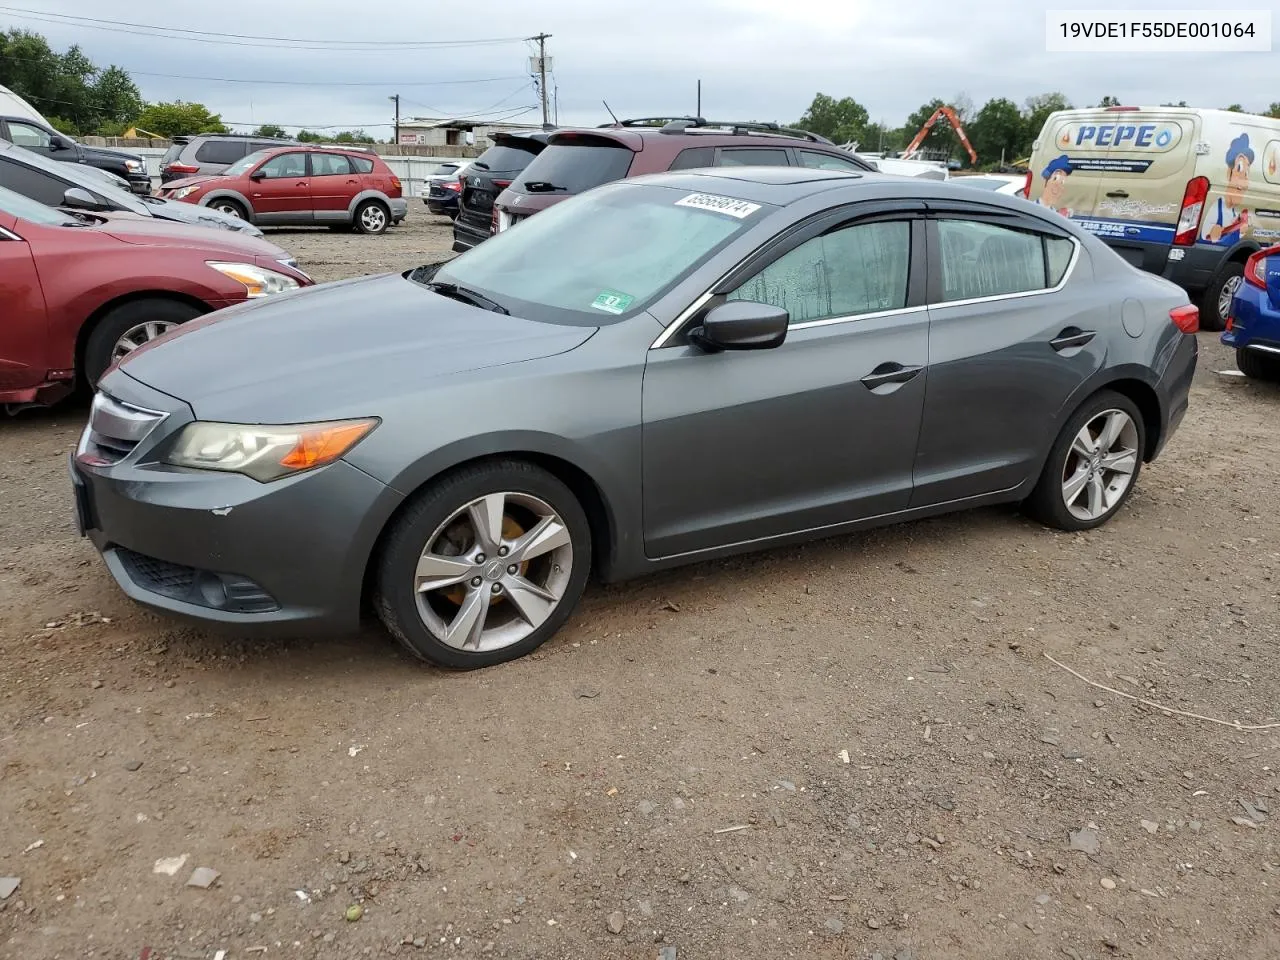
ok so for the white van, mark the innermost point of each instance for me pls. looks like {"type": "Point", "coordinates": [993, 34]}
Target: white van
{"type": "Point", "coordinates": [1185, 193]}
{"type": "Point", "coordinates": [12, 105]}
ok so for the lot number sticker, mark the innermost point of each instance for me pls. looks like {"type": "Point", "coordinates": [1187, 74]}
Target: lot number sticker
{"type": "Point", "coordinates": [727, 205]}
{"type": "Point", "coordinates": [611, 301]}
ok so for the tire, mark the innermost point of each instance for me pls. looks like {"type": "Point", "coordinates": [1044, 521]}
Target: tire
{"type": "Point", "coordinates": [140, 321]}
{"type": "Point", "coordinates": [1228, 278]}
{"type": "Point", "coordinates": [1258, 366]}
{"type": "Point", "coordinates": [372, 217]}
{"type": "Point", "coordinates": [231, 208]}
{"type": "Point", "coordinates": [501, 628]}
{"type": "Point", "coordinates": [1048, 502]}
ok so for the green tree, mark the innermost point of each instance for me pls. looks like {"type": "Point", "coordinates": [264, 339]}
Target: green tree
{"type": "Point", "coordinates": [878, 136]}
{"type": "Point", "coordinates": [997, 131]}
{"type": "Point", "coordinates": [1037, 110]}
{"type": "Point", "coordinates": [1180, 103]}
{"type": "Point", "coordinates": [179, 119]}
{"type": "Point", "coordinates": [1234, 108]}
{"type": "Point", "coordinates": [116, 97]}
{"type": "Point", "coordinates": [308, 136]}
{"type": "Point", "coordinates": [273, 130]}
{"type": "Point", "coordinates": [1273, 111]}
{"type": "Point", "coordinates": [940, 140]}
{"type": "Point", "coordinates": [352, 136]}
{"type": "Point", "coordinates": [1109, 101]}
{"type": "Point", "coordinates": [838, 120]}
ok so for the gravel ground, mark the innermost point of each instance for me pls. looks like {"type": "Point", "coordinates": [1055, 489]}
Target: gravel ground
{"type": "Point", "coordinates": [853, 749]}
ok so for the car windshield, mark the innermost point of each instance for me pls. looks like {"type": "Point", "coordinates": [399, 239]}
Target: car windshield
{"type": "Point", "coordinates": [16, 205]}
{"type": "Point", "coordinates": [245, 164]}
{"type": "Point", "coordinates": [605, 253]}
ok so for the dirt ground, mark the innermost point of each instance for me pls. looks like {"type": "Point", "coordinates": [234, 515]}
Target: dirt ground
{"type": "Point", "coordinates": [856, 749]}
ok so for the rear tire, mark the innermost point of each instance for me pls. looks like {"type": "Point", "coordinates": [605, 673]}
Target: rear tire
{"type": "Point", "coordinates": [372, 217]}
{"type": "Point", "coordinates": [128, 326]}
{"type": "Point", "coordinates": [1258, 366]}
{"type": "Point", "coordinates": [1079, 492]}
{"type": "Point", "coordinates": [1216, 302]}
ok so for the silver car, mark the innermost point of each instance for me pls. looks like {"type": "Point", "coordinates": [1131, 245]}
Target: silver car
{"type": "Point", "coordinates": [658, 371]}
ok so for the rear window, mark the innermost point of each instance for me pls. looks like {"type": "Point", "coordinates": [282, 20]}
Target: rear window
{"type": "Point", "coordinates": [220, 151]}
{"type": "Point", "coordinates": [508, 157]}
{"type": "Point", "coordinates": [574, 168]}
{"type": "Point", "coordinates": [171, 154]}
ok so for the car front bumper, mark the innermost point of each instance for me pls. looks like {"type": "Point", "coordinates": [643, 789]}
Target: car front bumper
{"type": "Point", "coordinates": [286, 557]}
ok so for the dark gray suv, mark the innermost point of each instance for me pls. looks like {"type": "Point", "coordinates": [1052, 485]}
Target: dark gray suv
{"type": "Point", "coordinates": [210, 154]}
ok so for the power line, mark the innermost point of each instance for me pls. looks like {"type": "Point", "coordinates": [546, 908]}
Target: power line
{"type": "Point", "coordinates": [478, 113]}
{"type": "Point", "coordinates": [243, 40]}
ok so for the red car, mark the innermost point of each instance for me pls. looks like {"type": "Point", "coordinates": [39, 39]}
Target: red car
{"type": "Point", "coordinates": [78, 293]}
{"type": "Point", "coordinates": [301, 187]}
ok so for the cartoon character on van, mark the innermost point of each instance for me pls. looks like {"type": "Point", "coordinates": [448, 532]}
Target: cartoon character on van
{"type": "Point", "coordinates": [1055, 184]}
{"type": "Point", "coordinates": [1228, 220]}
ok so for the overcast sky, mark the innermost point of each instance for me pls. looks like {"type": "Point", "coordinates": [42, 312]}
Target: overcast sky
{"type": "Point", "coordinates": [757, 59]}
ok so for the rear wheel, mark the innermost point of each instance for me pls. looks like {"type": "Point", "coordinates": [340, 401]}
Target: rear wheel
{"type": "Point", "coordinates": [1258, 366]}
{"type": "Point", "coordinates": [372, 217]}
{"type": "Point", "coordinates": [121, 331]}
{"type": "Point", "coordinates": [1093, 465]}
{"type": "Point", "coordinates": [1215, 306]}
{"type": "Point", "coordinates": [231, 208]}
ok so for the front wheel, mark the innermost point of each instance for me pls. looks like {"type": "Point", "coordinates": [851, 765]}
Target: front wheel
{"type": "Point", "coordinates": [121, 331]}
{"type": "Point", "coordinates": [484, 566]}
{"type": "Point", "coordinates": [1215, 306]}
{"type": "Point", "coordinates": [230, 208]}
{"type": "Point", "coordinates": [1093, 465]}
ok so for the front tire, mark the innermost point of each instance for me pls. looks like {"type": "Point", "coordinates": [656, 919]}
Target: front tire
{"type": "Point", "coordinates": [122, 330]}
{"type": "Point", "coordinates": [1215, 305]}
{"type": "Point", "coordinates": [484, 566]}
{"type": "Point", "coordinates": [372, 217]}
{"type": "Point", "coordinates": [1093, 466]}
{"type": "Point", "coordinates": [230, 208]}
{"type": "Point", "coordinates": [1258, 366]}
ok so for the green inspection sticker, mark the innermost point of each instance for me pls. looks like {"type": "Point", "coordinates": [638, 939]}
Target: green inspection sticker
{"type": "Point", "coordinates": [611, 301]}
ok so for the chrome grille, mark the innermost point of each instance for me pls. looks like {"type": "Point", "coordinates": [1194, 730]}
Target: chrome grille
{"type": "Point", "coordinates": [116, 428]}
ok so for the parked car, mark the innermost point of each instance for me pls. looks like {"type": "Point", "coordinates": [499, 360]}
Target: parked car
{"type": "Point", "coordinates": [210, 154]}
{"type": "Point", "coordinates": [301, 186]}
{"type": "Point", "coordinates": [487, 176]}
{"type": "Point", "coordinates": [1005, 183]}
{"type": "Point", "coordinates": [1185, 193]}
{"type": "Point", "coordinates": [80, 291]}
{"type": "Point", "coordinates": [660, 370]}
{"type": "Point", "coordinates": [42, 139]}
{"type": "Point", "coordinates": [55, 185]}
{"type": "Point", "coordinates": [444, 184]}
{"type": "Point", "coordinates": [577, 160]}
{"type": "Point", "coordinates": [1253, 322]}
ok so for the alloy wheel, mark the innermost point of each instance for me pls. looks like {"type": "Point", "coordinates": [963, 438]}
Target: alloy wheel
{"type": "Point", "coordinates": [373, 218]}
{"type": "Point", "coordinates": [230, 209]}
{"type": "Point", "coordinates": [137, 335]}
{"type": "Point", "coordinates": [1227, 294]}
{"type": "Point", "coordinates": [493, 572]}
{"type": "Point", "coordinates": [1100, 465]}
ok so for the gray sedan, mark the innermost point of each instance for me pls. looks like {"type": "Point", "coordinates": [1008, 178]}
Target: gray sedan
{"type": "Point", "coordinates": [659, 371]}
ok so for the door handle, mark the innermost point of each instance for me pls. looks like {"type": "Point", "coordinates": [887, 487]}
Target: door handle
{"type": "Point", "coordinates": [1071, 337]}
{"type": "Point", "coordinates": [301, 183]}
{"type": "Point", "coordinates": [889, 373]}
{"type": "Point", "coordinates": [1118, 194]}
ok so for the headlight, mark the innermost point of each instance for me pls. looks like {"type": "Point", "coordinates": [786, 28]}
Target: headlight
{"type": "Point", "coordinates": [134, 165]}
{"type": "Point", "coordinates": [265, 452]}
{"type": "Point", "coordinates": [258, 281]}
{"type": "Point", "coordinates": [184, 192]}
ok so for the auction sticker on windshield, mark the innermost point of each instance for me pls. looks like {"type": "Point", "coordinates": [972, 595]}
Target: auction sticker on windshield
{"type": "Point", "coordinates": [611, 301]}
{"type": "Point", "coordinates": [728, 205]}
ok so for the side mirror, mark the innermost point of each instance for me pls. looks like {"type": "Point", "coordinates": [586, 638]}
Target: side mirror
{"type": "Point", "coordinates": [59, 143]}
{"type": "Point", "coordinates": [742, 325]}
{"type": "Point", "coordinates": [257, 175]}
{"type": "Point", "coordinates": [80, 199]}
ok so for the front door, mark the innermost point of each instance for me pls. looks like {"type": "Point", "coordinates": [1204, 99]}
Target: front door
{"type": "Point", "coordinates": [334, 185]}
{"type": "Point", "coordinates": [283, 194]}
{"type": "Point", "coordinates": [742, 446]}
{"type": "Point", "coordinates": [31, 137]}
{"type": "Point", "coordinates": [23, 321]}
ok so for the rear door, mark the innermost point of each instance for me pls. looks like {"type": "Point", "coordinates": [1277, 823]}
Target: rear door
{"type": "Point", "coordinates": [334, 185]}
{"type": "Point", "coordinates": [283, 194]}
{"type": "Point", "coordinates": [23, 319]}
{"type": "Point", "coordinates": [30, 137]}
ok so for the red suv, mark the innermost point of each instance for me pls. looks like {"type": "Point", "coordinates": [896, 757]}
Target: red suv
{"type": "Point", "coordinates": [301, 186]}
{"type": "Point", "coordinates": [577, 160]}
{"type": "Point", "coordinates": [79, 292]}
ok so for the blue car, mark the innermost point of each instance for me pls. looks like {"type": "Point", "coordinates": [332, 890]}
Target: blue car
{"type": "Point", "coordinates": [1253, 327]}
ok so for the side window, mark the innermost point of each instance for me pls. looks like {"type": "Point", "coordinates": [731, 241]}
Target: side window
{"type": "Point", "coordinates": [693, 157]}
{"type": "Point", "coordinates": [362, 164]}
{"type": "Point", "coordinates": [220, 151]}
{"type": "Point", "coordinates": [285, 165]}
{"type": "Point", "coordinates": [986, 260]}
{"type": "Point", "coordinates": [329, 165]}
{"type": "Point", "coordinates": [31, 183]}
{"type": "Point", "coordinates": [851, 271]}
{"type": "Point", "coordinates": [752, 157]}
{"type": "Point", "coordinates": [26, 135]}
{"type": "Point", "coordinates": [828, 161]}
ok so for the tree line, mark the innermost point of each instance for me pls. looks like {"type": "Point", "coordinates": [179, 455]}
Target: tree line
{"type": "Point", "coordinates": [1000, 131]}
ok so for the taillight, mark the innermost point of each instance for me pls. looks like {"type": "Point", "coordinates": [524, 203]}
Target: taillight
{"type": "Point", "coordinates": [1255, 269]}
{"type": "Point", "coordinates": [1186, 318]}
{"type": "Point", "coordinates": [181, 168]}
{"type": "Point", "coordinates": [1026, 187]}
{"type": "Point", "coordinates": [1192, 209]}
{"type": "Point", "coordinates": [454, 185]}
{"type": "Point", "coordinates": [395, 182]}
{"type": "Point", "coordinates": [502, 184]}
{"type": "Point", "coordinates": [1122, 109]}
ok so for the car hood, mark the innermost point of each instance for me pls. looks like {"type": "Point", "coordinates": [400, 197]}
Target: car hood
{"type": "Point", "coordinates": [335, 350]}
{"type": "Point", "coordinates": [101, 153]}
{"type": "Point", "coordinates": [157, 231]}
{"type": "Point", "coordinates": [180, 212]}
{"type": "Point", "coordinates": [192, 181]}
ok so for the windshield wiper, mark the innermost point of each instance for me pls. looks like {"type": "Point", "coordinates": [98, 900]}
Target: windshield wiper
{"type": "Point", "coordinates": [542, 186]}
{"type": "Point", "coordinates": [455, 292]}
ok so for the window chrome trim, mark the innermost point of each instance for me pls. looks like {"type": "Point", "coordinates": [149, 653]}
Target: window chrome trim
{"type": "Point", "coordinates": [8, 234]}
{"type": "Point", "coordinates": [667, 334]}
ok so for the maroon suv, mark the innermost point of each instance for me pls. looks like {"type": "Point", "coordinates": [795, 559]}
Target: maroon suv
{"type": "Point", "coordinates": [575, 160]}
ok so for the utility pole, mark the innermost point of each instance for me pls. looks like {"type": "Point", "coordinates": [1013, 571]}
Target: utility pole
{"type": "Point", "coordinates": [698, 112]}
{"type": "Point", "coordinates": [542, 39]}
{"type": "Point", "coordinates": [555, 105]}
{"type": "Point", "coordinates": [396, 98]}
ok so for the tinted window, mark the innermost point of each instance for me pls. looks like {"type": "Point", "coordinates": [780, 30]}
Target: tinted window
{"type": "Point", "coordinates": [285, 165]}
{"type": "Point", "coordinates": [827, 161]}
{"type": "Point", "coordinates": [574, 168]}
{"type": "Point", "coordinates": [330, 165]}
{"type": "Point", "coordinates": [860, 269]}
{"type": "Point", "coordinates": [362, 164]}
{"type": "Point", "coordinates": [1057, 253]}
{"type": "Point", "coordinates": [34, 184]}
{"type": "Point", "coordinates": [443, 169]}
{"type": "Point", "coordinates": [508, 158]}
{"type": "Point", "coordinates": [753, 158]}
{"type": "Point", "coordinates": [171, 155]}
{"type": "Point", "coordinates": [26, 135]}
{"type": "Point", "coordinates": [264, 145]}
{"type": "Point", "coordinates": [694, 157]}
{"type": "Point", "coordinates": [16, 205]}
{"type": "Point", "coordinates": [985, 260]}
{"type": "Point", "coordinates": [221, 151]}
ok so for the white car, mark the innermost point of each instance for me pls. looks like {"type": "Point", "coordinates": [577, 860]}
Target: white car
{"type": "Point", "coordinates": [997, 182]}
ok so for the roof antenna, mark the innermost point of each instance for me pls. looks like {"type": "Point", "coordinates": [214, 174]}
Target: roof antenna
{"type": "Point", "coordinates": [616, 121]}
